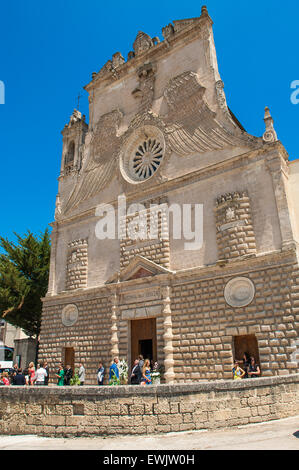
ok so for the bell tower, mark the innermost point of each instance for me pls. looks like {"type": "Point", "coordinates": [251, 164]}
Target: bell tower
{"type": "Point", "coordinates": [73, 138]}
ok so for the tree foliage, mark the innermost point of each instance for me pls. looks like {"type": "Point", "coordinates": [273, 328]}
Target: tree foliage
{"type": "Point", "coordinates": [24, 272]}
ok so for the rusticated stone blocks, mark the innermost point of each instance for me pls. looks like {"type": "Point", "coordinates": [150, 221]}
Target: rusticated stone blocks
{"type": "Point", "coordinates": [154, 241]}
{"type": "Point", "coordinates": [77, 264]}
{"type": "Point", "coordinates": [235, 233]}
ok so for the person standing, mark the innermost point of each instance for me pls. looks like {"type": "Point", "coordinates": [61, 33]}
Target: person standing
{"type": "Point", "coordinates": [141, 362]}
{"type": "Point", "coordinates": [5, 379]}
{"type": "Point", "coordinates": [81, 373]}
{"type": "Point", "coordinates": [238, 373]}
{"type": "Point", "coordinates": [31, 371]}
{"type": "Point", "coordinates": [46, 367]}
{"type": "Point", "coordinates": [68, 374]}
{"type": "Point", "coordinates": [60, 375]}
{"type": "Point", "coordinates": [114, 371]}
{"type": "Point", "coordinates": [40, 375]}
{"type": "Point", "coordinates": [15, 369]}
{"type": "Point", "coordinates": [254, 371]}
{"type": "Point", "coordinates": [146, 373]}
{"type": "Point", "coordinates": [26, 374]}
{"type": "Point", "coordinates": [101, 373]}
{"type": "Point", "coordinates": [246, 363]}
{"type": "Point", "coordinates": [19, 378]}
{"type": "Point", "coordinates": [136, 373]}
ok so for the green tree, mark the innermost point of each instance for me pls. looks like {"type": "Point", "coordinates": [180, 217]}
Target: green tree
{"type": "Point", "coordinates": [24, 271]}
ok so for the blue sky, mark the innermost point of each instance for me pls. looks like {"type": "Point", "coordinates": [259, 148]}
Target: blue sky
{"type": "Point", "coordinates": [50, 49]}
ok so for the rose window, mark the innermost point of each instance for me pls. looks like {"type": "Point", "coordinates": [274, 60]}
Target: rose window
{"type": "Point", "coordinates": [143, 154]}
{"type": "Point", "coordinates": [147, 158]}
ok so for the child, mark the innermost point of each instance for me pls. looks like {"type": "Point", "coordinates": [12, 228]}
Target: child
{"type": "Point", "coordinates": [238, 373]}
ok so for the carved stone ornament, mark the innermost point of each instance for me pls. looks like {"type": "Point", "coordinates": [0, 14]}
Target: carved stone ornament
{"type": "Point", "coordinates": [142, 154]}
{"type": "Point", "coordinates": [193, 127]}
{"type": "Point", "coordinates": [103, 162]}
{"type": "Point", "coordinates": [239, 292]}
{"type": "Point", "coordinates": [168, 31]}
{"type": "Point", "coordinates": [104, 140]}
{"type": "Point", "coordinates": [142, 43]}
{"type": "Point", "coordinates": [69, 315]}
{"type": "Point", "coordinates": [117, 60]}
{"type": "Point", "coordinates": [57, 208]}
{"type": "Point", "coordinates": [270, 133]}
{"type": "Point", "coordinates": [230, 214]}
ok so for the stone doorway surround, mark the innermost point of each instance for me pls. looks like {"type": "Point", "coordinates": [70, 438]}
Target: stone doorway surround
{"type": "Point", "coordinates": [145, 296]}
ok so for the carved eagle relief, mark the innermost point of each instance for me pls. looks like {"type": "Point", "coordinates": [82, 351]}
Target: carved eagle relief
{"type": "Point", "coordinates": [102, 162]}
{"type": "Point", "coordinates": [190, 126]}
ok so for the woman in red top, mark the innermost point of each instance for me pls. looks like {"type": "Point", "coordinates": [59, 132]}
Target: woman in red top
{"type": "Point", "coordinates": [31, 371]}
{"type": "Point", "coordinates": [5, 379]}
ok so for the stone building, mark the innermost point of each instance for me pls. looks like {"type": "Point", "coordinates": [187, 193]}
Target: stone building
{"type": "Point", "coordinates": [160, 132]}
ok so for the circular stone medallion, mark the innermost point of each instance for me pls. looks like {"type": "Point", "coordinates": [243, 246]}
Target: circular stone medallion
{"type": "Point", "coordinates": [69, 315]}
{"type": "Point", "coordinates": [239, 292]}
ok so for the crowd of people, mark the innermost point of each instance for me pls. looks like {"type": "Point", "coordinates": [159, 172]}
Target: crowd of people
{"type": "Point", "coordinates": [250, 368]}
{"type": "Point", "coordinates": [141, 373]}
{"type": "Point", "coordinates": [28, 376]}
{"type": "Point", "coordinates": [37, 376]}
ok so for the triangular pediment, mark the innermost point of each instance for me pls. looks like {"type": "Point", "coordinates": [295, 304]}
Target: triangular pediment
{"type": "Point", "coordinates": [137, 268]}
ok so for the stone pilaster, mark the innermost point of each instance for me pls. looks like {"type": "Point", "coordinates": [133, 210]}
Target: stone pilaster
{"type": "Point", "coordinates": [168, 336]}
{"type": "Point", "coordinates": [279, 172]}
{"type": "Point", "coordinates": [52, 268]}
{"type": "Point", "coordinates": [114, 330]}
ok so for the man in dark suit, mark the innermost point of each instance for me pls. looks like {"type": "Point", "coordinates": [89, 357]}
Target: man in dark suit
{"type": "Point", "coordinates": [19, 378]}
{"type": "Point", "coordinates": [136, 373]}
{"type": "Point", "coordinates": [68, 374]}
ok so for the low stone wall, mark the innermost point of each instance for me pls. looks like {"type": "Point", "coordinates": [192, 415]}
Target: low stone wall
{"type": "Point", "coordinates": [92, 411]}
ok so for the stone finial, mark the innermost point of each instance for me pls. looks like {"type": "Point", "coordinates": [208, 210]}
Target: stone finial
{"type": "Point", "coordinates": [131, 55]}
{"type": "Point", "coordinates": [204, 10]}
{"type": "Point", "coordinates": [75, 117]}
{"type": "Point", "coordinates": [142, 43]}
{"type": "Point", "coordinates": [168, 31]}
{"type": "Point", "coordinates": [205, 15]}
{"type": "Point", "coordinates": [270, 133]}
{"type": "Point", "coordinates": [117, 60]}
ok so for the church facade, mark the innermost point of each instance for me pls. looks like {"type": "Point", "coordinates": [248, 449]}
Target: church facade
{"type": "Point", "coordinates": [161, 135]}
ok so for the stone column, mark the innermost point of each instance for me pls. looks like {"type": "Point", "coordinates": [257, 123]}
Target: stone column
{"type": "Point", "coordinates": [114, 330]}
{"type": "Point", "coordinates": [167, 336]}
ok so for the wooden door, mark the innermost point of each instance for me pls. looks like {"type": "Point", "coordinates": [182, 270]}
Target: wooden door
{"type": "Point", "coordinates": [144, 339]}
{"type": "Point", "coordinates": [69, 357]}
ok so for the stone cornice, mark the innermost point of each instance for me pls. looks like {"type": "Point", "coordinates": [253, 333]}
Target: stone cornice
{"type": "Point", "coordinates": [200, 273]}
{"type": "Point", "coordinates": [208, 171]}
